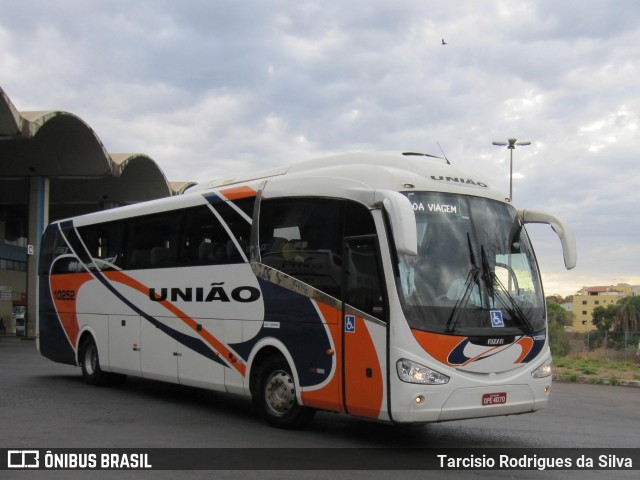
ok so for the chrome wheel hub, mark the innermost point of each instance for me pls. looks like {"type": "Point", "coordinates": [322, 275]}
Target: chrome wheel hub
{"type": "Point", "coordinates": [280, 393]}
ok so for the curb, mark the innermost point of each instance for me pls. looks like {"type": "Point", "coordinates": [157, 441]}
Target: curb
{"type": "Point", "coordinates": [596, 381]}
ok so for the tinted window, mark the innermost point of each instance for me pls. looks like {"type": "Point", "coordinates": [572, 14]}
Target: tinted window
{"type": "Point", "coordinates": [153, 240]}
{"type": "Point", "coordinates": [179, 238]}
{"type": "Point", "coordinates": [363, 282]}
{"type": "Point", "coordinates": [105, 243]}
{"type": "Point", "coordinates": [50, 241]}
{"type": "Point", "coordinates": [239, 227]}
{"type": "Point", "coordinates": [205, 241]}
{"type": "Point", "coordinates": [303, 237]}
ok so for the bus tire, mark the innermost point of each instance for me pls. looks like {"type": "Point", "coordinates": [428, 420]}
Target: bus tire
{"type": "Point", "coordinates": [274, 395]}
{"type": "Point", "coordinates": [92, 373]}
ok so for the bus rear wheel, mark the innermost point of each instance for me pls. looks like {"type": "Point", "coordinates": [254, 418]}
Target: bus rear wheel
{"type": "Point", "coordinates": [275, 396]}
{"type": "Point", "coordinates": [92, 373]}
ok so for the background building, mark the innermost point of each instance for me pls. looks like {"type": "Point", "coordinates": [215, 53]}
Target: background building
{"type": "Point", "coordinates": [53, 166]}
{"type": "Point", "coordinates": [591, 297]}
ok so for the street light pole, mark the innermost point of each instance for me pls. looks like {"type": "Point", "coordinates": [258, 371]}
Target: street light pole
{"type": "Point", "coordinates": [511, 144]}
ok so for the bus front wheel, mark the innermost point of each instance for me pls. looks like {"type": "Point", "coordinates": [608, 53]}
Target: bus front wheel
{"type": "Point", "coordinates": [275, 396]}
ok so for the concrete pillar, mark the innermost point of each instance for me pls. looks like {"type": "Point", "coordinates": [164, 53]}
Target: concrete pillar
{"type": "Point", "coordinates": [38, 220]}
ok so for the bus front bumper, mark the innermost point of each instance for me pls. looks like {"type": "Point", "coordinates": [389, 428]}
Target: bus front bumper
{"type": "Point", "coordinates": [476, 402]}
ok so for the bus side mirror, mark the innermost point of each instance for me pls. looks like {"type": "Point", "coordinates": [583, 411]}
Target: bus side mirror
{"type": "Point", "coordinates": [402, 218]}
{"type": "Point", "coordinates": [567, 239]}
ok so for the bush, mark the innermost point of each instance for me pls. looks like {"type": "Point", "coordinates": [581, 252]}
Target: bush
{"type": "Point", "coordinates": [559, 340]}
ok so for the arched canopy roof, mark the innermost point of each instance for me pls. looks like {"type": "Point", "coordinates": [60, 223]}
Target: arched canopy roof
{"type": "Point", "coordinates": [61, 146]}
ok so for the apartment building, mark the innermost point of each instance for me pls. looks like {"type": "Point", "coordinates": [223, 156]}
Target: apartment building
{"type": "Point", "coordinates": [589, 298]}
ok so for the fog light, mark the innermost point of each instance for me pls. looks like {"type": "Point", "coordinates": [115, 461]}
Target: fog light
{"type": "Point", "coordinates": [419, 399]}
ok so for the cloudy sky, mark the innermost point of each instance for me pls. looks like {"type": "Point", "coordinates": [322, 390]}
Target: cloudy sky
{"type": "Point", "coordinates": [219, 87]}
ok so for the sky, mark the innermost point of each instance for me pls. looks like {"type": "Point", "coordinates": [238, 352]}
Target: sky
{"type": "Point", "coordinates": [214, 88]}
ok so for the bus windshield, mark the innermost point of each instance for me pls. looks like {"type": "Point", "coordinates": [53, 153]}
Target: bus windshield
{"type": "Point", "coordinates": [475, 272]}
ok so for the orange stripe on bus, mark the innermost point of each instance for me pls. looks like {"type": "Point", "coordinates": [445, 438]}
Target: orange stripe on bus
{"type": "Point", "coordinates": [236, 193]}
{"type": "Point", "coordinates": [527, 344]}
{"type": "Point", "coordinates": [483, 354]}
{"type": "Point", "coordinates": [229, 356]}
{"type": "Point", "coordinates": [438, 346]}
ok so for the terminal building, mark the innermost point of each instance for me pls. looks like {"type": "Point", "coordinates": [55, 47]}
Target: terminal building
{"type": "Point", "coordinates": [53, 166]}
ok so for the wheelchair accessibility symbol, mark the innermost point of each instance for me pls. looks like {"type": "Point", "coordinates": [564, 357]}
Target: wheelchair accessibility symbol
{"type": "Point", "coordinates": [496, 319]}
{"type": "Point", "coordinates": [350, 323]}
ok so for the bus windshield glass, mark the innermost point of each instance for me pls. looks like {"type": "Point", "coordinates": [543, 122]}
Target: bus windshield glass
{"type": "Point", "coordinates": [475, 272]}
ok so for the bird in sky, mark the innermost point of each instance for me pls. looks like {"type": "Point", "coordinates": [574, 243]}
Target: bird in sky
{"type": "Point", "coordinates": [443, 42]}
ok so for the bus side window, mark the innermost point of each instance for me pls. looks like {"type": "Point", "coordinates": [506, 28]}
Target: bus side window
{"type": "Point", "coordinates": [55, 256]}
{"type": "Point", "coordinates": [205, 241]}
{"type": "Point", "coordinates": [363, 285]}
{"type": "Point", "coordinates": [236, 247]}
{"type": "Point", "coordinates": [153, 240]}
{"type": "Point", "coordinates": [105, 243]}
{"type": "Point", "coordinates": [364, 290]}
{"type": "Point", "coordinates": [48, 250]}
{"type": "Point", "coordinates": [302, 237]}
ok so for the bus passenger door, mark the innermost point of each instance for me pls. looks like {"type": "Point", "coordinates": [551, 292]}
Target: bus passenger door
{"type": "Point", "coordinates": [124, 343]}
{"type": "Point", "coordinates": [364, 331]}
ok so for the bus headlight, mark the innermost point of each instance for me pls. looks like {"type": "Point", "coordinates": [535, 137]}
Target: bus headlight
{"type": "Point", "coordinates": [412, 372]}
{"type": "Point", "coordinates": [543, 370]}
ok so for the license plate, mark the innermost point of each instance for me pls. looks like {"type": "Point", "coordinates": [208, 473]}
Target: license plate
{"type": "Point", "coordinates": [494, 398]}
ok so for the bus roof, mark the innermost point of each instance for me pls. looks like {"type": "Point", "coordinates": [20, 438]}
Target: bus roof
{"type": "Point", "coordinates": [359, 172]}
{"type": "Point", "coordinates": [354, 176]}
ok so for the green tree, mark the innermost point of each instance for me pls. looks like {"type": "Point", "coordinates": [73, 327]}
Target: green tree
{"type": "Point", "coordinates": [628, 321]}
{"type": "Point", "coordinates": [557, 315]}
{"type": "Point", "coordinates": [559, 339]}
{"type": "Point", "coordinates": [627, 317]}
{"type": "Point", "coordinates": [603, 318]}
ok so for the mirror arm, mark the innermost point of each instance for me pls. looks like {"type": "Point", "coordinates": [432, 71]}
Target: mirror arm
{"type": "Point", "coordinates": [564, 232]}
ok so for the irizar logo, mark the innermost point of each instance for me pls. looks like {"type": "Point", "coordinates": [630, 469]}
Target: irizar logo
{"type": "Point", "coordinates": [216, 293]}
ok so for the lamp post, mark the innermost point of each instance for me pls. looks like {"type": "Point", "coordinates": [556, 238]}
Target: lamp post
{"type": "Point", "coordinates": [511, 144]}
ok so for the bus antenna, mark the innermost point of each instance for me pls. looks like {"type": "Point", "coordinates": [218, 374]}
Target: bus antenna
{"type": "Point", "coordinates": [443, 154]}
{"type": "Point", "coordinates": [418, 154]}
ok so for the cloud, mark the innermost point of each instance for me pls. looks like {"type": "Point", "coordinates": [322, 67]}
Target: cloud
{"type": "Point", "coordinates": [209, 88]}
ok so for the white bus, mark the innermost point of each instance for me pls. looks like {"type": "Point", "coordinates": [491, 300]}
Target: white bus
{"type": "Point", "coordinates": [392, 287]}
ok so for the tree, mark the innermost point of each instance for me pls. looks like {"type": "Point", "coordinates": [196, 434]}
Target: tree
{"type": "Point", "coordinates": [554, 298]}
{"type": "Point", "coordinates": [559, 339]}
{"type": "Point", "coordinates": [603, 319]}
{"type": "Point", "coordinates": [628, 315]}
{"type": "Point", "coordinates": [628, 320]}
{"type": "Point", "coordinates": [557, 315]}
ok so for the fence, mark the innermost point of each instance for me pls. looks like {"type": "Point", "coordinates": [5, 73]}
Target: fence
{"type": "Point", "coordinates": [622, 347]}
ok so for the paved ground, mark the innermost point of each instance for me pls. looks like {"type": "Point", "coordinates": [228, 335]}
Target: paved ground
{"type": "Point", "coordinates": [46, 405]}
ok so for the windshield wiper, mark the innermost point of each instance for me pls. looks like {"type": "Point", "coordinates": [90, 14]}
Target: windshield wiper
{"type": "Point", "coordinates": [487, 275]}
{"type": "Point", "coordinates": [491, 280]}
{"type": "Point", "coordinates": [472, 279]}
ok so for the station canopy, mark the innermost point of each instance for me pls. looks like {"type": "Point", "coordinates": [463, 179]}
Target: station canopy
{"type": "Point", "coordinates": [83, 176]}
